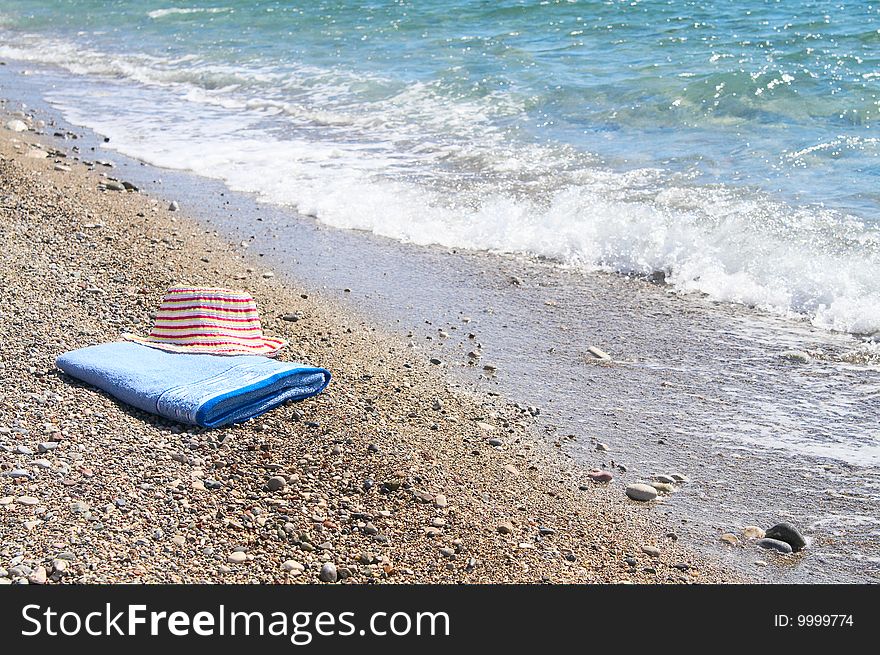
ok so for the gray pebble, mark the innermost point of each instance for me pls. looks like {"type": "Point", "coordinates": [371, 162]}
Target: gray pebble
{"type": "Point", "coordinates": [328, 572]}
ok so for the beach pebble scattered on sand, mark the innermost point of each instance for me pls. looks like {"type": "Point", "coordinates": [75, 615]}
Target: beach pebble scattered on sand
{"type": "Point", "coordinates": [328, 572]}
{"type": "Point", "coordinates": [651, 550]}
{"type": "Point", "coordinates": [292, 566]}
{"type": "Point", "coordinates": [663, 487]}
{"type": "Point", "coordinates": [729, 538]}
{"type": "Point", "coordinates": [775, 544]}
{"type": "Point", "coordinates": [667, 479]}
{"type": "Point", "coordinates": [598, 353]}
{"type": "Point", "coordinates": [641, 492]}
{"type": "Point", "coordinates": [16, 125]}
{"type": "Point", "coordinates": [237, 557]}
{"type": "Point", "coordinates": [601, 447]}
{"type": "Point", "coordinates": [276, 483]}
{"type": "Point", "coordinates": [753, 532]}
{"type": "Point", "coordinates": [600, 476]}
{"type": "Point", "coordinates": [174, 206]}
{"type": "Point", "coordinates": [505, 527]}
{"type": "Point", "coordinates": [678, 477]}
{"type": "Point", "coordinates": [112, 185]}
{"type": "Point", "coordinates": [787, 533]}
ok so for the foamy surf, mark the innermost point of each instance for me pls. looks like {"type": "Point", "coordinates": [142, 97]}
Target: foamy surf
{"type": "Point", "coordinates": [418, 163]}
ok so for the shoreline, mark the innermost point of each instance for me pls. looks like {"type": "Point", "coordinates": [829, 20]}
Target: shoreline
{"type": "Point", "coordinates": [83, 265]}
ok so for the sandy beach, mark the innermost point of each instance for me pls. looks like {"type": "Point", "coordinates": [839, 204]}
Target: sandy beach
{"type": "Point", "coordinates": [393, 474]}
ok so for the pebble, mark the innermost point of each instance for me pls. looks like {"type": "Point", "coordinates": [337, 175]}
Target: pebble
{"type": "Point", "coordinates": [730, 538]}
{"type": "Point", "coordinates": [665, 487]}
{"type": "Point", "coordinates": [237, 557]}
{"type": "Point", "coordinates": [23, 450]}
{"type": "Point", "coordinates": [6, 500]}
{"type": "Point", "coordinates": [17, 473]}
{"type": "Point", "coordinates": [787, 533]}
{"type": "Point", "coordinates": [651, 550]}
{"type": "Point", "coordinates": [174, 206]}
{"type": "Point", "coordinates": [668, 479]}
{"type": "Point", "coordinates": [753, 532]}
{"type": "Point", "coordinates": [440, 501]}
{"type": "Point", "coordinates": [47, 446]}
{"type": "Point", "coordinates": [641, 492]}
{"type": "Point", "coordinates": [111, 185]}
{"type": "Point", "coordinates": [276, 483]}
{"type": "Point", "coordinates": [775, 544]}
{"type": "Point", "coordinates": [678, 477]}
{"type": "Point", "coordinates": [600, 476]}
{"type": "Point", "coordinates": [27, 500]}
{"type": "Point", "coordinates": [598, 353]}
{"type": "Point", "coordinates": [328, 572]}
{"type": "Point", "coordinates": [495, 441]}
{"type": "Point", "coordinates": [38, 576]}
{"type": "Point", "coordinates": [292, 565]}
{"type": "Point", "coordinates": [447, 552]}
{"type": "Point", "coordinates": [505, 527]}
{"type": "Point", "coordinates": [601, 447]}
{"type": "Point", "coordinates": [17, 126]}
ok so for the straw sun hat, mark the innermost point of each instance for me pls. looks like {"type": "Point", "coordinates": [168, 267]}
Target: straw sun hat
{"type": "Point", "coordinates": [209, 321]}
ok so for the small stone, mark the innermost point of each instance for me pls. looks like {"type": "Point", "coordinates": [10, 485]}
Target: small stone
{"type": "Point", "coordinates": [268, 274]}
{"type": "Point", "coordinates": [17, 126]}
{"type": "Point", "coordinates": [668, 479]}
{"type": "Point", "coordinates": [47, 446]}
{"type": "Point", "coordinates": [729, 538]}
{"type": "Point", "coordinates": [438, 522]}
{"type": "Point", "coordinates": [276, 483]}
{"type": "Point", "coordinates": [796, 356]}
{"type": "Point", "coordinates": [775, 544]}
{"type": "Point", "coordinates": [292, 565]}
{"type": "Point", "coordinates": [174, 206]}
{"type": "Point", "coordinates": [435, 361]}
{"type": "Point", "coordinates": [486, 427]}
{"type": "Point", "coordinates": [495, 441]}
{"type": "Point", "coordinates": [753, 532]}
{"type": "Point", "coordinates": [510, 468]}
{"type": "Point", "coordinates": [598, 353]}
{"type": "Point", "coordinates": [641, 492]}
{"type": "Point", "coordinates": [236, 558]}
{"type": "Point", "coordinates": [505, 527]}
{"type": "Point", "coordinates": [23, 450]}
{"type": "Point", "coordinates": [664, 487]}
{"type": "Point", "coordinates": [600, 476]}
{"type": "Point", "coordinates": [651, 550]}
{"type": "Point", "coordinates": [447, 552]}
{"type": "Point", "coordinates": [440, 501]}
{"type": "Point", "coordinates": [38, 576]}
{"type": "Point", "coordinates": [678, 477]}
{"type": "Point", "coordinates": [27, 500]}
{"type": "Point", "coordinates": [601, 447]}
{"type": "Point", "coordinates": [787, 533]}
{"type": "Point", "coordinates": [328, 572]}
{"type": "Point", "coordinates": [112, 185]}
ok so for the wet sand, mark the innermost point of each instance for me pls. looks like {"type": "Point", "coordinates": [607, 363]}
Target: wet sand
{"type": "Point", "coordinates": [391, 473]}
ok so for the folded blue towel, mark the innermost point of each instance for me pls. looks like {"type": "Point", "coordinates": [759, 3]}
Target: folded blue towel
{"type": "Point", "coordinates": [206, 390]}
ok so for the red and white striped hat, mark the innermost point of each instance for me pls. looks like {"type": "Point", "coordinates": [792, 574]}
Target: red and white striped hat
{"type": "Point", "coordinates": [212, 321]}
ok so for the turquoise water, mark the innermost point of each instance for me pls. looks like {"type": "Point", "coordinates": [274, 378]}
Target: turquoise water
{"type": "Point", "coordinates": [732, 146]}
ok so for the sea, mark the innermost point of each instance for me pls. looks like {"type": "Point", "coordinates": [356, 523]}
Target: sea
{"type": "Point", "coordinates": [690, 185]}
{"type": "Point", "coordinates": [733, 148]}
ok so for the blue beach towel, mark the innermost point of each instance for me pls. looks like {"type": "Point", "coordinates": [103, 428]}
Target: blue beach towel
{"type": "Point", "coordinates": [206, 390]}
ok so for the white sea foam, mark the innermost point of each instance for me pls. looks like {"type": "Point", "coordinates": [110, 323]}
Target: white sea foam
{"type": "Point", "coordinates": [414, 165]}
{"type": "Point", "coordinates": [161, 13]}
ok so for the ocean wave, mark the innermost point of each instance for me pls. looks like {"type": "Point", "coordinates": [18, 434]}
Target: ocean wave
{"type": "Point", "coordinates": [414, 163]}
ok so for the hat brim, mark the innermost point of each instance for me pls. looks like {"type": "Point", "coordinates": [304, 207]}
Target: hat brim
{"type": "Point", "coordinates": [268, 347]}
